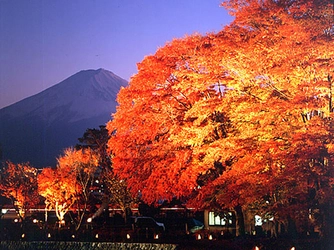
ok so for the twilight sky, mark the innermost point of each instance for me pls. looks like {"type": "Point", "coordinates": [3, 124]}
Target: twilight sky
{"type": "Point", "coordinates": [42, 42]}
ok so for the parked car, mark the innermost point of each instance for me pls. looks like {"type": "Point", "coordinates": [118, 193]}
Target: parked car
{"type": "Point", "coordinates": [145, 229]}
{"type": "Point", "coordinates": [194, 225]}
{"type": "Point", "coordinates": [143, 222]}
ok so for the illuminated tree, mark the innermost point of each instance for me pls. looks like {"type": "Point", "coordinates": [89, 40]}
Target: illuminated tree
{"type": "Point", "coordinates": [69, 186]}
{"type": "Point", "coordinates": [116, 191]}
{"type": "Point", "coordinates": [18, 182]}
{"type": "Point", "coordinates": [83, 165]}
{"type": "Point", "coordinates": [235, 119]}
{"type": "Point", "coordinates": [58, 187]}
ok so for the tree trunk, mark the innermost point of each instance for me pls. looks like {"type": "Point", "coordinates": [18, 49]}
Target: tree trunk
{"type": "Point", "coordinates": [80, 216]}
{"type": "Point", "coordinates": [292, 229]}
{"type": "Point", "coordinates": [240, 223]}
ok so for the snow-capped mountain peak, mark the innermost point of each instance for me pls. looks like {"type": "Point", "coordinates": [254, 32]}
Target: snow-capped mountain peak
{"type": "Point", "coordinates": [39, 127]}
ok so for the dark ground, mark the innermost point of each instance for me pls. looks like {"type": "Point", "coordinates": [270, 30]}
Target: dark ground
{"type": "Point", "coordinates": [262, 244]}
{"type": "Point", "coordinates": [233, 244]}
{"type": "Point", "coordinates": [12, 233]}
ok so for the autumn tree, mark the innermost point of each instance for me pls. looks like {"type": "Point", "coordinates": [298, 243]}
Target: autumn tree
{"type": "Point", "coordinates": [18, 182]}
{"type": "Point", "coordinates": [115, 191]}
{"type": "Point", "coordinates": [119, 193]}
{"type": "Point", "coordinates": [237, 119]}
{"type": "Point", "coordinates": [58, 187]}
{"type": "Point", "coordinates": [69, 185]}
{"type": "Point", "coordinates": [83, 165]}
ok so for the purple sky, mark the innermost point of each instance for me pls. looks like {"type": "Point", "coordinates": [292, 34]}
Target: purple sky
{"type": "Point", "coordinates": [42, 42]}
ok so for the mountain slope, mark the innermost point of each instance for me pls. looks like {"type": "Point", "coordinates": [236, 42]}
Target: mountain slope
{"type": "Point", "coordinates": [39, 127]}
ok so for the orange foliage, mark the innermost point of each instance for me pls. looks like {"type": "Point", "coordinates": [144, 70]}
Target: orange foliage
{"type": "Point", "coordinates": [18, 182]}
{"type": "Point", "coordinates": [58, 187]}
{"type": "Point", "coordinates": [70, 182]}
{"type": "Point", "coordinates": [241, 117]}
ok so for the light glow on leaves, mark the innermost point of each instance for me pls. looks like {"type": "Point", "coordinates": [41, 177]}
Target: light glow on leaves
{"type": "Point", "coordinates": [69, 184]}
{"type": "Point", "coordinates": [233, 118]}
{"type": "Point", "coordinates": [18, 182]}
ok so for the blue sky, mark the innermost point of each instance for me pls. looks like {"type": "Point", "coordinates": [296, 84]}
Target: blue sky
{"type": "Point", "coordinates": [42, 42]}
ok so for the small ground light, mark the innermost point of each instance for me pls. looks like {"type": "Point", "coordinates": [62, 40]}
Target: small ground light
{"type": "Point", "coordinates": [96, 236]}
{"type": "Point", "coordinates": [156, 236]}
{"type": "Point", "coordinates": [49, 235]}
{"type": "Point", "coordinates": [35, 221]}
{"type": "Point", "coordinates": [199, 237]}
{"type": "Point", "coordinates": [293, 248]}
{"type": "Point", "coordinates": [23, 235]}
{"type": "Point", "coordinates": [73, 236]}
{"type": "Point", "coordinates": [256, 248]}
{"type": "Point", "coordinates": [16, 220]}
{"type": "Point", "coordinates": [128, 236]}
{"type": "Point", "coordinates": [210, 237]}
{"type": "Point", "coordinates": [89, 220]}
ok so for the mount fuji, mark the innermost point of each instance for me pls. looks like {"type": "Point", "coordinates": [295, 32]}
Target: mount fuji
{"type": "Point", "coordinates": [38, 128]}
